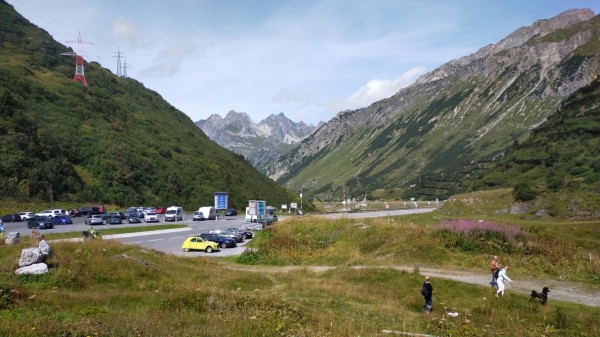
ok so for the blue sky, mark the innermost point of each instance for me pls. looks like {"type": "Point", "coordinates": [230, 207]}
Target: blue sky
{"type": "Point", "coordinates": [309, 59]}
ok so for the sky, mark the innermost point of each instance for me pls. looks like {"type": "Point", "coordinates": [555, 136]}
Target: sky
{"type": "Point", "coordinates": [307, 59]}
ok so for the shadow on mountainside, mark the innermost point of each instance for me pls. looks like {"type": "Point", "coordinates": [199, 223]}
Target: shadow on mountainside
{"type": "Point", "coordinates": [560, 290]}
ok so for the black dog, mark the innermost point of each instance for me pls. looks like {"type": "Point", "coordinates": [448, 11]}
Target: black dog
{"type": "Point", "coordinates": [543, 295]}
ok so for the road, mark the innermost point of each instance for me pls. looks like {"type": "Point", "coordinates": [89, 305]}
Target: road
{"type": "Point", "coordinates": [375, 214]}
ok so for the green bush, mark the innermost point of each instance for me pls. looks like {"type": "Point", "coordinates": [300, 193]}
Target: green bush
{"type": "Point", "coordinates": [524, 191]}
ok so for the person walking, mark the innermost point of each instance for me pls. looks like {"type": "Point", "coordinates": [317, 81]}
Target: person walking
{"type": "Point", "coordinates": [502, 278]}
{"type": "Point", "coordinates": [427, 292]}
{"type": "Point", "coordinates": [494, 268]}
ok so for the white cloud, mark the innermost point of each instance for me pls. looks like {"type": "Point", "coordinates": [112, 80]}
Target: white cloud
{"type": "Point", "coordinates": [125, 30]}
{"type": "Point", "coordinates": [377, 89]}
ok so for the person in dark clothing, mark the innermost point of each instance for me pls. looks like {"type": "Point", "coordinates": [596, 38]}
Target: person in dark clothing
{"type": "Point", "coordinates": [495, 266]}
{"type": "Point", "coordinates": [428, 297]}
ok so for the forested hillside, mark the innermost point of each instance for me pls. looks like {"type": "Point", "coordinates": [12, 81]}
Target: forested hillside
{"type": "Point", "coordinates": [559, 161]}
{"type": "Point", "coordinates": [114, 141]}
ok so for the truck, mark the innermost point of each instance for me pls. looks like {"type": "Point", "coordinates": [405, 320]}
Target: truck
{"type": "Point", "coordinates": [270, 216]}
{"type": "Point", "coordinates": [174, 213]}
{"type": "Point", "coordinates": [208, 212]}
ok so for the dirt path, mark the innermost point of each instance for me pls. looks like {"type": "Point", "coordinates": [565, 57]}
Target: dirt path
{"type": "Point", "coordinates": [559, 290]}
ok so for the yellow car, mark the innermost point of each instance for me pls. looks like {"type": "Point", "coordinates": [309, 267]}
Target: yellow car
{"type": "Point", "coordinates": [198, 243]}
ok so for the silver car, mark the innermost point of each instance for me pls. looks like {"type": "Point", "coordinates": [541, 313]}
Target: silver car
{"type": "Point", "coordinates": [94, 219]}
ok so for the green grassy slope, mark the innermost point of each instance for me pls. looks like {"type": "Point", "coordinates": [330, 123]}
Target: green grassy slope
{"type": "Point", "coordinates": [557, 167]}
{"type": "Point", "coordinates": [114, 141]}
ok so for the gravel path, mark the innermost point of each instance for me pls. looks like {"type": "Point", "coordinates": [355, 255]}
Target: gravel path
{"type": "Point", "coordinates": [559, 290]}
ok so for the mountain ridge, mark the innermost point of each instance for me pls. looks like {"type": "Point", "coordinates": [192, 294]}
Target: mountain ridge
{"type": "Point", "coordinates": [260, 143]}
{"type": "Point", "coordinates": [465, 111]}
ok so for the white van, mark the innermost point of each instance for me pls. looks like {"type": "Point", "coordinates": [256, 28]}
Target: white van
{"type": "Point", "coordinates": [174, 213]}
{"type": "Point", "coordinates": [250, 218]}
{"type": "Point", "coordinates": [52, 212]}
{"type": "Point", "coordinates": [208, 212]}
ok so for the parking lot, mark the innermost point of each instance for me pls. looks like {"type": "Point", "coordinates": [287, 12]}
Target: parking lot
{"type": "Point", "coordinates": [168, 241]}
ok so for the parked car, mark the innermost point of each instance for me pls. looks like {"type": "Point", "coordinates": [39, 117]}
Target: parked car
{"type": "Point", "coordinates": [41, 222]}
{"type": "Point", "coordinates": [222, 241]}
{"type": "Point", "coordinates": [108, 215]}
{"type": "Point", "coordinates": [151, 217]}
{"type": "Point", "coordinates": [198, 243]}
{"type": "Point", "coordinates": [26, 215]}
{"type": "Point", "coordinates": [230, 212]}
{"type": "Point", "coordinates": [246, 234]}
{"type": "Point", "coordinates": [88, 210]}
{"type": "Point", "coordinates": [161, 210]}
{"type": "Point", "coordinates": [147, 210]}
{"type": "Point", "coordinates": [134, 218]}
{"type": "Point", "coordinates": [74, 213]}
{"type": "Point", "coordinates": [94, 219]}
{"type": "Point", "coordinates": [131, 212]}
{"type": "Point", "coordinates": [47, 212]}
{"type": "Point", "coordinates": [114, 220]}
{"type": "Point", "coordinates": [198, 216]}
{"type": "Point", "coordinates": [62, 220]}
{"type": "Point", "coordinates": [234, 235]}
{"type": "Point", "coordinates": [11, 218]}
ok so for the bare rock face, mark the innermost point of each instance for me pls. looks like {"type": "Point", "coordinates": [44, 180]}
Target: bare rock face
{"type": "Point", "coordinates": [260, 143]}
{"type": "Point", "coordinates": [470, 108]}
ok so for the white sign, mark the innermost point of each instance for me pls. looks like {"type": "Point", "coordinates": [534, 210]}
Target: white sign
{"type": "Point", "coordinates": [293, 205]}
{"type": "Point", "coordinates": [283, 206]}
{"type": "Point", "coordinates": [252, 206]}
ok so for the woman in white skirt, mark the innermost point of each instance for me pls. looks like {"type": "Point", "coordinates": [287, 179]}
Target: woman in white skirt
{"type": "Point", "coordinates": [502, 278]}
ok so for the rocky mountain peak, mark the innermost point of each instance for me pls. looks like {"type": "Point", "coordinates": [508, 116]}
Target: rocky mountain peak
{"type": "Point", "coordinates": [261, 143]}
{"type": "Point", "coordinates": [543, 27]}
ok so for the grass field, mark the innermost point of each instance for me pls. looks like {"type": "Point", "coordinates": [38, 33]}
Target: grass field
{"type": "Point", "coordinates": [104, 288]}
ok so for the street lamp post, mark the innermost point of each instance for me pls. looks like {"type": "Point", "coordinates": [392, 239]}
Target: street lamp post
{"type": "Point", "coordinates": [300, 199]}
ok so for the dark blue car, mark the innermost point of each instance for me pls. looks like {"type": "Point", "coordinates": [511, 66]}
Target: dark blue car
{"type": "Point", "coordinates": [62, 220]}
{"type": "Point", "coordinates": [41, 222]}
{"type": "Point", "coordinates": [222, 241]}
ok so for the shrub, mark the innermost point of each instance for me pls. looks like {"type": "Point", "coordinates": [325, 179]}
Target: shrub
{"type": "Point", "coordinates": [524, 192]}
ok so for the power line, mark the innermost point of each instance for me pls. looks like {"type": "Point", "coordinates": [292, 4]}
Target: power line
{"type": "Point", "coordinates": [119, 54]}
{"type": "Point", "coordinates": [79, 71]}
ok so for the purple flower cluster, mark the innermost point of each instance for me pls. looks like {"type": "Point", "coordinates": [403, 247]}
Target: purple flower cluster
{"type": "Point", "coordinates": [467, 227]}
